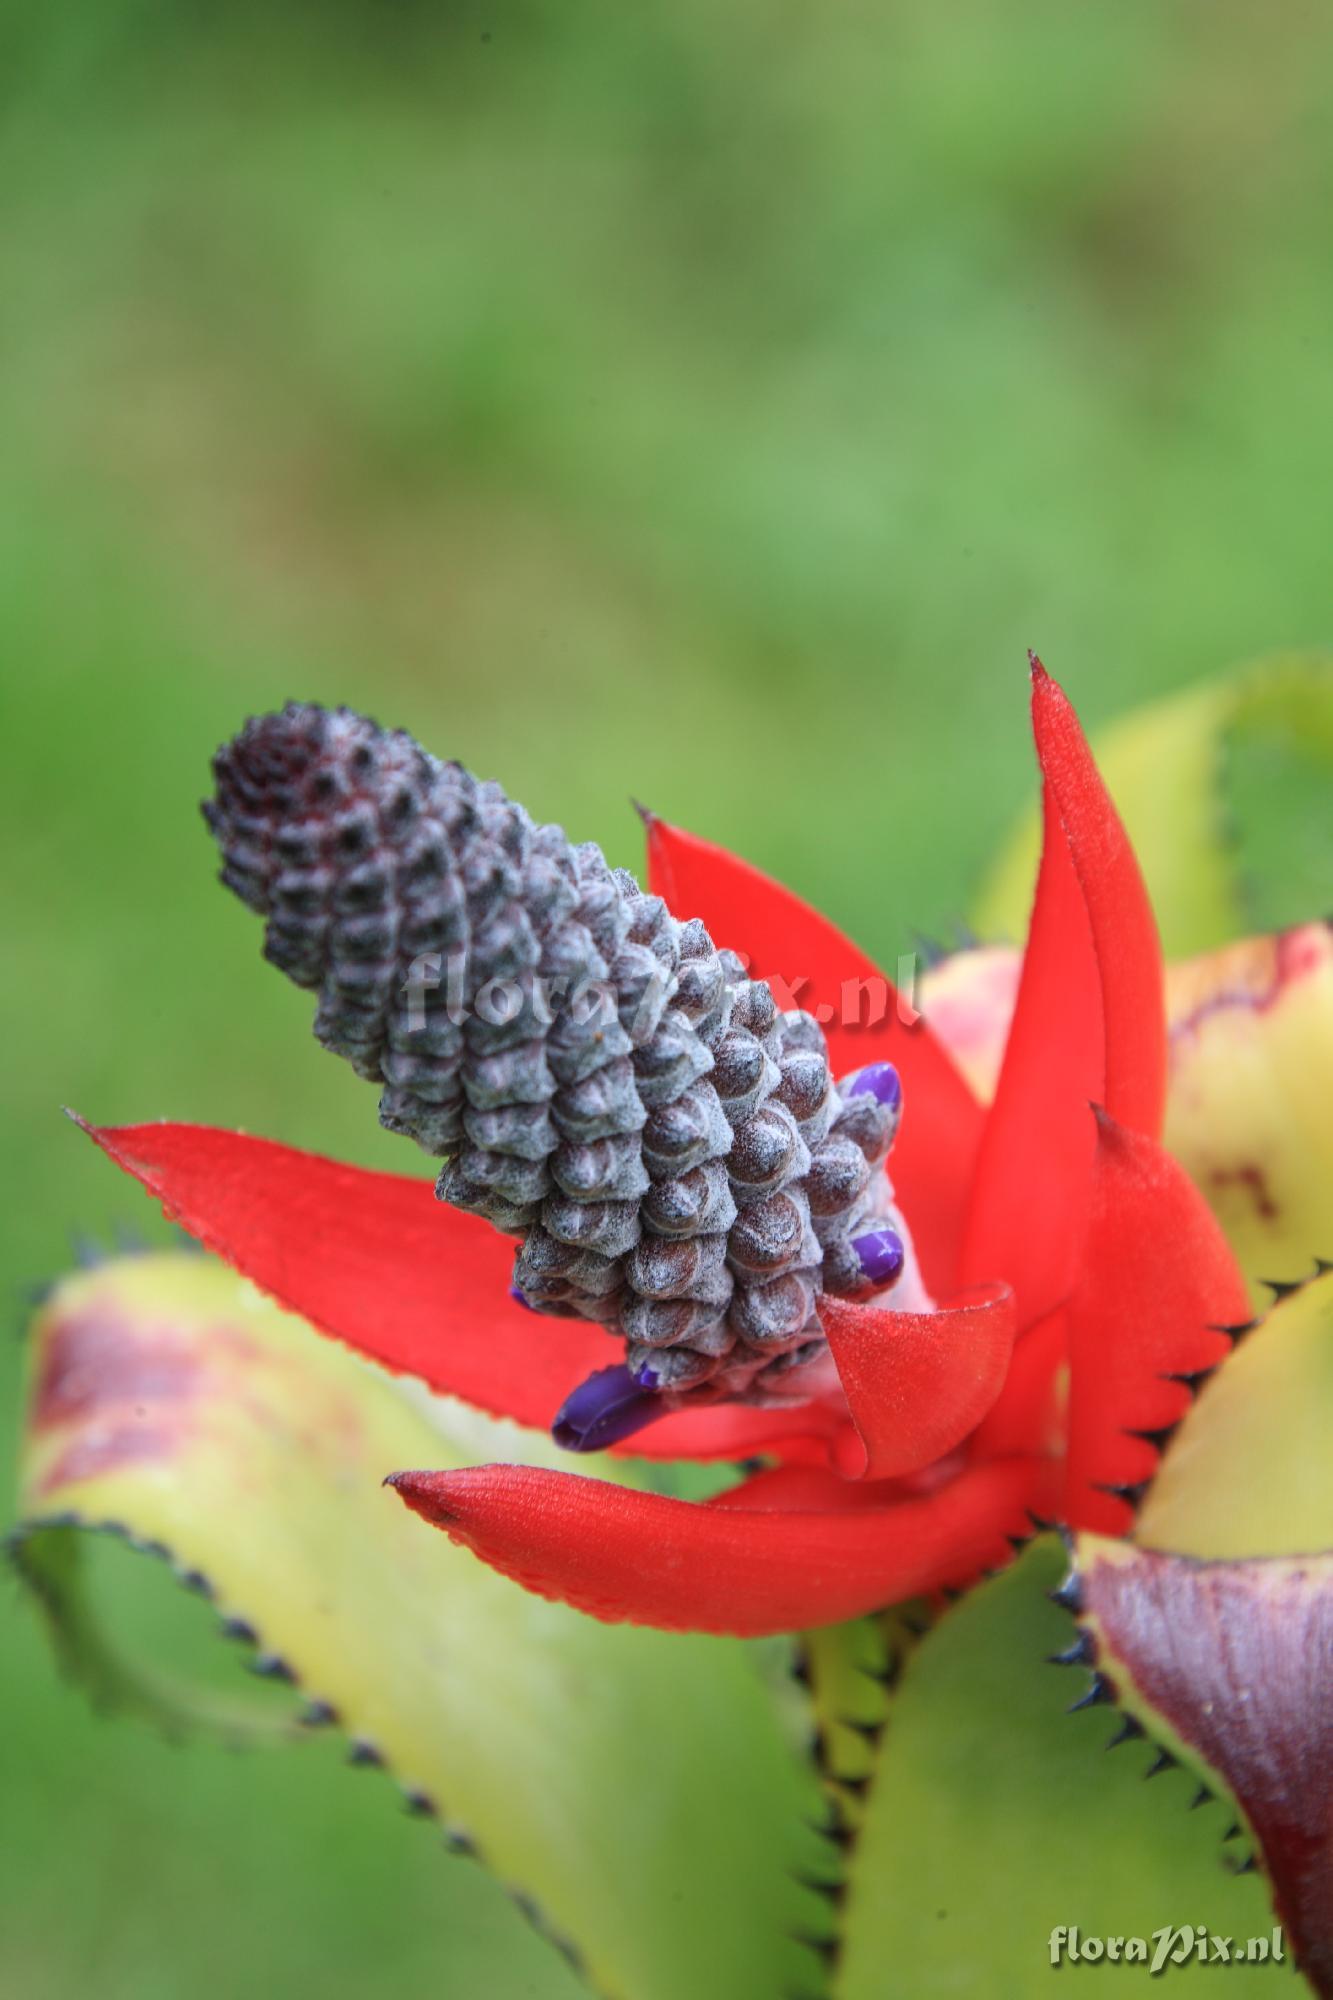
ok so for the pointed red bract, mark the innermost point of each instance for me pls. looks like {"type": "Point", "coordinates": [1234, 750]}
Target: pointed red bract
{"type": "Point", "coordinates": [810, 964]}
{"type": "Point", "coordinates": [1157, 1281]}
{"type": "Point", "coordinates": [1089, 1026]}
{"type": "Point", "coordinates": [622, 1554]}
{"type": "Point", "coordinates": [917, 1383]}
{"type": "Point", "coordinates": [371, 1258]}
{"type": "Point", "coordinates": [1124, 930]}
{"type": "Point", "coordinates": [1029, 1199]}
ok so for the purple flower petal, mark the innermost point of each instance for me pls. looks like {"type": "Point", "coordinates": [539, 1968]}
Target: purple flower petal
{"type": "Point", "coordinates": [609, 1406]}
{"type": "Point", "coordinates": [878, 1080]}
{"type": "Point", "coordinates": [882, 1254]}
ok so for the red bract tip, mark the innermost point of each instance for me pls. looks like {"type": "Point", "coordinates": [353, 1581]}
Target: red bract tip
{"type": "Point", "coordinates": [787, 1549]}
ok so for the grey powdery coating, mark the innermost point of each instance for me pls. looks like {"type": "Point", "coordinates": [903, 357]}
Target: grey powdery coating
{"type": "Point", "coordinates": [601, 1081]}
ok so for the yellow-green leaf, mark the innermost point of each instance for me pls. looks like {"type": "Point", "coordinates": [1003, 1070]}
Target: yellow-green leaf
{"type": "Point", "coordinates": [1250, 1471]}
{"type": "Point", "coordinates": [850, 1671]}
{"type": "Point", "coordinates": [639, 1790]}
{"type": "Point", "coordinates": [995, 1818]}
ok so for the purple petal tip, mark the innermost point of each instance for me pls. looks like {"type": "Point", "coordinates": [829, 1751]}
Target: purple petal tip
{"type": "Point", "coordinates": [612, 1404]}
{"type": "Point", "coordinates": [881, 1254]}
{"type": "Point", "coordinates": [880, 1081]}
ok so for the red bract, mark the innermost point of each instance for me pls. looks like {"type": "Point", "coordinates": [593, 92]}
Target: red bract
{"type": "Point", "coordinates": [1081, 1274]}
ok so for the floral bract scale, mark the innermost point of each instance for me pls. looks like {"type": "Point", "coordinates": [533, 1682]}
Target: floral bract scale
{"type": "Point", "coordinates": [602, 1081]}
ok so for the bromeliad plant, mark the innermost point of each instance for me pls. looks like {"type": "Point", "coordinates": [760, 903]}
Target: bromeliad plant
{"type": "Point", "coordinates": [681, 1103]}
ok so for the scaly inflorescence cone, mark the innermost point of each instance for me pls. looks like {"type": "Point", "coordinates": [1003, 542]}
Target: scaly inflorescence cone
{"type": "Point", "coordinates": [601, 1081]}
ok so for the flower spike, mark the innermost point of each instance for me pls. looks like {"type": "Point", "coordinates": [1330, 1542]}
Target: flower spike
{"type": "Point", "coordinates": [601, 1081]}
{"type": "Point", "coordinates": [702, 1207]}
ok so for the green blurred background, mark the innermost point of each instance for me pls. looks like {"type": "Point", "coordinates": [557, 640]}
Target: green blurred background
{"type": "Point", "coordinates": [706, 403]}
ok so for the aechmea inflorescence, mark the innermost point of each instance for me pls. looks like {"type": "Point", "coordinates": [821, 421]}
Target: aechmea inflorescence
{"type": "Point", "coordinates": [602, 1081]}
